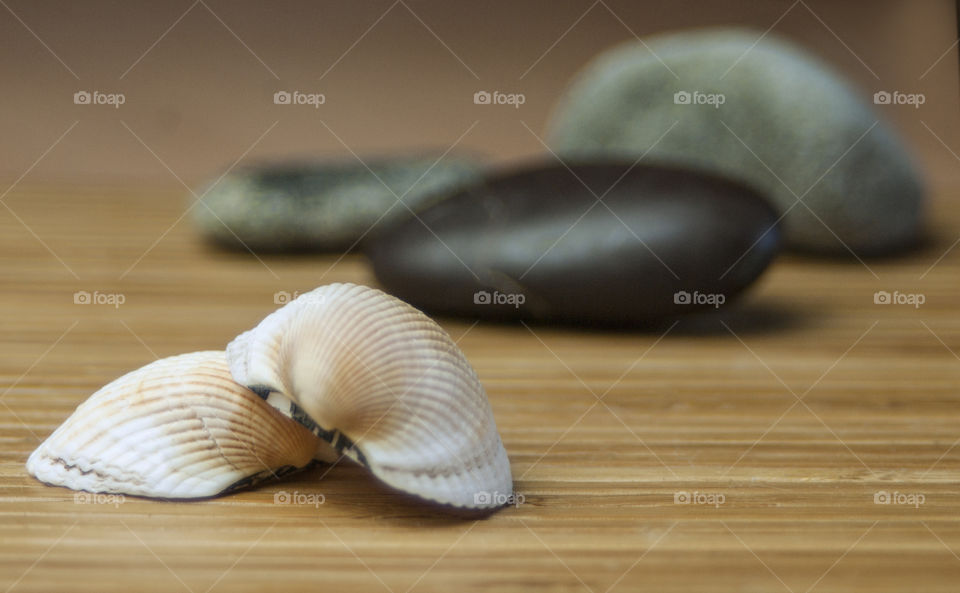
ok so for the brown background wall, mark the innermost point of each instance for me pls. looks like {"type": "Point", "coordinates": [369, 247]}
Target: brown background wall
{"type": "Point", "coordinates": [199, 78]}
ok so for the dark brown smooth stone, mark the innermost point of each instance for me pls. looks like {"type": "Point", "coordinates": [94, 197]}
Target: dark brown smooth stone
{"type": "Point", "coordinates": [598, 243]}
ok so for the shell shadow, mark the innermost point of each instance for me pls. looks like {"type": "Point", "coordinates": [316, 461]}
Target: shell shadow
{"type": "Point", "coordinates": [349, 487]}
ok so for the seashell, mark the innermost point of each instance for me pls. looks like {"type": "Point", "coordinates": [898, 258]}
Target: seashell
{"type": "Point", "coordinates": [179, 427]}
{"type": "Point", "coordinates": [385, 386]}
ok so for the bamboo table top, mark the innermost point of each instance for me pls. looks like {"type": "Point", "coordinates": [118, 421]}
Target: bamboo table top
{"type": "Point", "coordinates": [804, 440]}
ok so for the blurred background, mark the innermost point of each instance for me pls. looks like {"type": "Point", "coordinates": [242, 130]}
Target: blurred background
{"type": "Point", "coordinates": [198, 77]}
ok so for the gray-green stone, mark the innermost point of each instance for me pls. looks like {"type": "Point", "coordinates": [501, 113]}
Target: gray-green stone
{"type": "Point", "coordinates": [787, 125]}
{"type": "Point", "coordinates": [326, 206]}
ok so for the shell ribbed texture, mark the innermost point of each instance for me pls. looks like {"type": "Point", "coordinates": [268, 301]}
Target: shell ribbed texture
{"type": "Point", "coordinates": [389, 378]}
{"type": "Point", "coordinates": [179, 427]}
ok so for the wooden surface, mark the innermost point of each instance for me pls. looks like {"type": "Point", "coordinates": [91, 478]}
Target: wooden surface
{"type": "Point", "coordinates": [793, 409]}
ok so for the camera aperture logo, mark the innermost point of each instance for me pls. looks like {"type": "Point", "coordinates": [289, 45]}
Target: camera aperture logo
{"type": "Point", "coordinates": [299, 98]}
{"type": "Point", "coordinates": [715, 300]}
{"type": "Point", "coordinates": [913, 499]}
{"type": "Point", "coordinates": [98, 498]}
{"type": "Point", "coordinates": [898, 98]}
{"type": "Point", "coordinates": [498, 498]}
{"type": "Point", "coordinates": [697, 98]}
{"type": "Point", "coordinates": [82, 297]}
{"type": "Point", "coordinates": [882, 297]}
{"type": "Point", "coordinates": [98, 98]}
{"type": "Point", "coordinates": [314, 499]}
{"type": "Point", "coordinates": [714, 499]}
{"type": "Point", "coordinates": [482, 297]}
{"type": "Point", "coordinates": [282, 297]}
{"type": "Point", "coordinates": [498, 98]}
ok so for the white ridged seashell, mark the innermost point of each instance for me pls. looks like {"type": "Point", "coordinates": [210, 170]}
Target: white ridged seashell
{"type": "Point", "coordinates": [383, 384]}
{"type": "Point", "coordinates": [179, 427]}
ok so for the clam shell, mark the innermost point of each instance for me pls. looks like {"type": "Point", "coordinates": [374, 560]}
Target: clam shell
{"type": "Point", "coordinates": [383, 384]}
{"type": "Point", "coordinates": [179, 427]}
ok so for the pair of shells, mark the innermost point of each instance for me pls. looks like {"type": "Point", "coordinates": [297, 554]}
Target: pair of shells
{"type": "Point", "coordinates": [343, 370]}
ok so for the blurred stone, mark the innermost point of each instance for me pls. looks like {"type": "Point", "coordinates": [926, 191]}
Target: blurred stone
{"type": "Point", "coordinates": [741, 105]}
{"type": "Point", "coordinates": [535, 244]}
{"type": "Point", "coordinates": [326, 206]}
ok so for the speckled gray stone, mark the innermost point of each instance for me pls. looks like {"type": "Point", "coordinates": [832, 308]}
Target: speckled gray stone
{"type": "Point", "coordinates": [781, 109]}
{"type": "Point", "coordinates": [325, 206]}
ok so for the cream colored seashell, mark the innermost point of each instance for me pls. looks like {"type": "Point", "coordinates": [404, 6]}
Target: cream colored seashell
{"type": "Point", "coordinates": [179, 427]}
{"type": "Point", "coordinates": [383, 384]}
